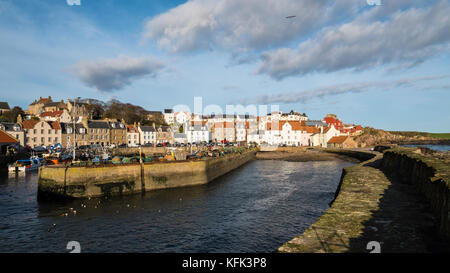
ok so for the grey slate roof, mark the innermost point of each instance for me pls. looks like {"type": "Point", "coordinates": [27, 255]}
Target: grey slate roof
{"type": "Point", "coordinates": [98, 124]}
{"type": "Point", "coordinates": [64, 127]}
{"type": "Point", "coordinates": [4, 105]}
{"type": "Point", "coordinates": [9, 126]}
{"type": "Point", "coordinates": [315, 123]}
{"type": "Point", "coordinates": [148, 129]}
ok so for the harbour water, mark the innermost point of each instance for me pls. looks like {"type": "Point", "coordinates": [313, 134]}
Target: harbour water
{"type": "Point", "coordinates": [440, 148]}
{"type": "Point", "coordinates": [255, 208]}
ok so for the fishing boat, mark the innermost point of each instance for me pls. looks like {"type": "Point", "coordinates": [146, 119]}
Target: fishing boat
{"type": "Point", "coordinates": [56, 159]}
{"type": "Point", "coordinates": [26, 165]}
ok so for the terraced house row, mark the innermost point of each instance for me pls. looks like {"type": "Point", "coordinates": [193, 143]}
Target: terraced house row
{"type": "Point", "coordinates": [47, 123]}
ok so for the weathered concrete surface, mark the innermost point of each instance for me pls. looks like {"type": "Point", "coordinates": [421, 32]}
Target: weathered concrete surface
{"type": "Point", "coordinates": [371, 207]}
{"type": "Point", "coordinates": [96, 181]}
{"type": "Point", "coordinates": [430, 175]}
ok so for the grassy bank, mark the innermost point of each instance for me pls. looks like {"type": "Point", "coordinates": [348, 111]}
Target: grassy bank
{"type": "Point", "coordinates": [423, 134]}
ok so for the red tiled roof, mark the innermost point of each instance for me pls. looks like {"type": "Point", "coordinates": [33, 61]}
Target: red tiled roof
{"type": "Point", "coordinates": [198, 122]}
{"type": "Point", "coordinates": [52, 113]}
{"type": "Point", "coordinates": [338, 139]}
{"type": "Point", "coordinates": [7, 138]}
{"type": "Point", "coordinates": [55, 125]}
{"type": "Point", "coordinates": [29, 124]}
{"type": "Point", "coordinates": [296, 126]}
{"type": "Point", "coordinates": [224, 125]}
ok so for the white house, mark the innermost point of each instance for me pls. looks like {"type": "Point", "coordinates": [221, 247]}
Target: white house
{"type": "Point", "coordinates": [133, 137]}
{"type": "Point", "coordinates": [241, 131]}
{"type": "Point", "coordinates": [291, 133]}
{"type": "Point", "coordinates": [322, 137]}
{"type": "Point", "coordinates": [169, 116]}
{"type": "Point", "coordinates": [147, 134]}
{"type": "Point", "coordinates": [182, 117]}
{"type": "Point", "coordinates": [197, 131]}
{"type": "Point", "coordinates": [62, 116]}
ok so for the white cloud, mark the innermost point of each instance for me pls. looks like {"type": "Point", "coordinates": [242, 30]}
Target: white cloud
{"type": "Point", "coordinates": [240, 26]}
{"type": "Point", "coordinates": [404, 38]}
{"type": "Point", "coordinates": [339, 89]}
{"type": "Point", "coordinates": [114, 74]}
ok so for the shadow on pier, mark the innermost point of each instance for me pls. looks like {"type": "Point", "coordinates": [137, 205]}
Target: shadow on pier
{"type": "Point", "coordinates": [403, 222]}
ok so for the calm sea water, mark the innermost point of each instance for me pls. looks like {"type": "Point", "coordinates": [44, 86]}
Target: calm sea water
{"type": "Point", "coordinates": [433, 147]}
{"type": "Point", "coordinates": [255, 208]}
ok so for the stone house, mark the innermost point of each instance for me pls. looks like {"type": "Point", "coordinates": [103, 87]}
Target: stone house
{"type": "Point", "coordinates": [54, 106]}
{"type": "Point", "coordinates": [77, 108]}
{"type": "Point", "coordinates": [68, 135]}
{"type": "Point", "coordinates": [118, 132]}
{"type": "Point", "coordinates": [341, 142]}
{"type": "Point", "coordinates": [60, 116]}
{"type": "Point", "coordinates": [224, 131]}
{"type": "Point", "coordinates": [98, 131]}
{"type": "Point", "coordinates": [5, 141]}
{"type": "Point", "coordinates": [15, 130]}
{"type": "Point", "coordinates": [41, 133]}
{"type": "Point", "coordinates": [4, 107]}
{"type": "Point", "coordinates": [37, 107]}
{"type": "Point", "coordinates": [164, 134]}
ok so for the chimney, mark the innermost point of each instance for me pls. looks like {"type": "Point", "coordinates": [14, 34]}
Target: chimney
{"type": "Point", "coordinates": [84, 120]}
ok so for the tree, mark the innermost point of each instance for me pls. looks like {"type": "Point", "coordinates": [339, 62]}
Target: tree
{"type": "Point", "coordinates": [11, 116]}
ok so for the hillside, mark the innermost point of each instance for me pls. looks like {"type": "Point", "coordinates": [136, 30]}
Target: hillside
{"type": "Point", "coordinates": [372, 136]}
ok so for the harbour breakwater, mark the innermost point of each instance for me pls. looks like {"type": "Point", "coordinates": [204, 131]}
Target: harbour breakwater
{"type": "Point", "coordinates": [110, 180]}
{"type": "Point", "coordinates": [394, 202]}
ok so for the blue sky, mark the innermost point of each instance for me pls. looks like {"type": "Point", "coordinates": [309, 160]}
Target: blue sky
{"type": "Point", "coordinates": [383, 66]}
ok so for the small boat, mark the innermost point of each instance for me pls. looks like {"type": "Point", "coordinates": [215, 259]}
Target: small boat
{"type": "Point", "coordinates": [26, 165]}
{"type": "Point", "coordinates": [58, 159]}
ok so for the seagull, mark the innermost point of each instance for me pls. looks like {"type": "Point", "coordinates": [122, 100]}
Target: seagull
{"type": "Point", "coordinates": [291, 16]}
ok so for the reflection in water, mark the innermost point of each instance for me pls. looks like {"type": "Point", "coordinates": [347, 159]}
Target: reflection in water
{"type": "Point", "coordinates": [255, 208]}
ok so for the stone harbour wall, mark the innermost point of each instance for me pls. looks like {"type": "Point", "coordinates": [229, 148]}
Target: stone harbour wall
{"type": "Point", "coordinates": [97, 181]}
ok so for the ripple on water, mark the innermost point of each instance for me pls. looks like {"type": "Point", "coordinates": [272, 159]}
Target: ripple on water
{"type": "Point", "coordinates": [255, 208]}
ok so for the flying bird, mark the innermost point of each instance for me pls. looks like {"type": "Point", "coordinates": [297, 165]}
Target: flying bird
{"type": "Point", "coordinates": [291, 16]}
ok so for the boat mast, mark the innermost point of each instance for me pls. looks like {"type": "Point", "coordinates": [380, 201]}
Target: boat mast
{"type": "Point", "coordinates": [74, 131]}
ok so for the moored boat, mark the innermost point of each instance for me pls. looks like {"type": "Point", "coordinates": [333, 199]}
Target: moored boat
{"type": "Point", "coordinates": [25, 165]}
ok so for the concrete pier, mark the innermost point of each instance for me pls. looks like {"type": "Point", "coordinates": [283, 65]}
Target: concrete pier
{"type": "Point", "coordinates": [399, 200]}
{"type": "Point", "coordinates": [97, 181]}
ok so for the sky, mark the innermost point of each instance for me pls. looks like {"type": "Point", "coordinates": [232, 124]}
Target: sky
{"type": "Point", "coordinates": [379, 63]}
